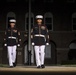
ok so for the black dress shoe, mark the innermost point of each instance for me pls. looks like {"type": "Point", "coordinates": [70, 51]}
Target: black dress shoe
{"type": "Point", "coordinates": [14, 64]}
{"type": "Point", "coordinates": [42, 66]}
{"type": "Point", "coordinates": [11, 67]}
{"type": "Point", "coordinates": [38, 66]}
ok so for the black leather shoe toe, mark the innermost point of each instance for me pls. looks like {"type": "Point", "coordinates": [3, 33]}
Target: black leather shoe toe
{"type": "Point", "coordinates": [38, 66]}
{"type": "Point", "coordinates": [11, 67]}
{"type": "Point", "coordinates": [14, 64]}
{"type": "Point", "coordinates": [42, 66]}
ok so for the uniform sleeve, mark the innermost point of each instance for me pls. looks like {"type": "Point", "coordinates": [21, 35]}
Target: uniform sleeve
{"type": "Point", "coordinates": [19, 38]}
{"type": "Point", "coordinates": [47, 36]}
{"type": "Point", "coordinates": [32, 35]}
{"type": "Point", "coordinates": [5, 37]}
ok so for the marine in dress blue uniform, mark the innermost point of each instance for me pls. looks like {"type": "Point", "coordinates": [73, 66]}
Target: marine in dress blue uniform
{"type": "Point", "coordinates": [40, 38]}
{"type": "Point", "coordinates": [12, 40]}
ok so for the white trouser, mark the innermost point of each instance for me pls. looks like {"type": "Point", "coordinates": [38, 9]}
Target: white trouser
{"type": "Point", "coordinates": [39, 53]}
{"type": "Point", "coordinates": [11, 54]}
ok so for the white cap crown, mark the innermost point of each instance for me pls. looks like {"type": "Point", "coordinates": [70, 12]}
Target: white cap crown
{"type": "Point", "coordinates": [12, 20]}
{"type": "Point", "coordinates": [39, 16]}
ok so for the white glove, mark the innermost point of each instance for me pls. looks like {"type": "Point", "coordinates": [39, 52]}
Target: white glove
{"type": "Point", "coordinates": [18, 45]}
{"type": "Point", "coordinates": [33, 44]}
{"type": "Point", "coordinates": [5, 44]}
{"type": "Point", "coordinates": [47, 43]}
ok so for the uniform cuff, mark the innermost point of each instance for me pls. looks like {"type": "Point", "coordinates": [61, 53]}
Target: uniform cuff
{"type": "Point", "coordinates": [47, 43]}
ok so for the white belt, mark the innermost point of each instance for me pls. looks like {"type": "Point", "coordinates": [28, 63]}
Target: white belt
{"type": "Point", "coordinates": [40, 35]}
{"type": "Point", "coordinates": [12, 37]}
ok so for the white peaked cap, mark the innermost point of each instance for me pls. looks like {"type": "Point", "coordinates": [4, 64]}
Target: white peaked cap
{"type": "Point", "coordinates": [12, 20]}
{"type": "Point", "coordinates": [39, 16]}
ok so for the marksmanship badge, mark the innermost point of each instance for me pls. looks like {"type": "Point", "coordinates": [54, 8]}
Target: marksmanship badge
{"type": "Point", "coordinates": [43, 27]}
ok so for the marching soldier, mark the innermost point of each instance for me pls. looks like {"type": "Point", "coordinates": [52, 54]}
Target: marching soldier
{"type": "Point", "coordinates": [12, 40]}
{"type": "Point", "coordinates": [40, 38]}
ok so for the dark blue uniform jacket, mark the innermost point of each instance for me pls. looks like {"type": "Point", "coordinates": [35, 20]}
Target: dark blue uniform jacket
{"type": "Point", "coordinates": [39, 35]}
{"type": "Point", "coordinates": [12, 37]}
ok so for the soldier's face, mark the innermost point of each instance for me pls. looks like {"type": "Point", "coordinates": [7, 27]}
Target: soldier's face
{"type": "Point", "coordinates": [12, 25]}
{"type": "Point", "coordinates": [39, 21]}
